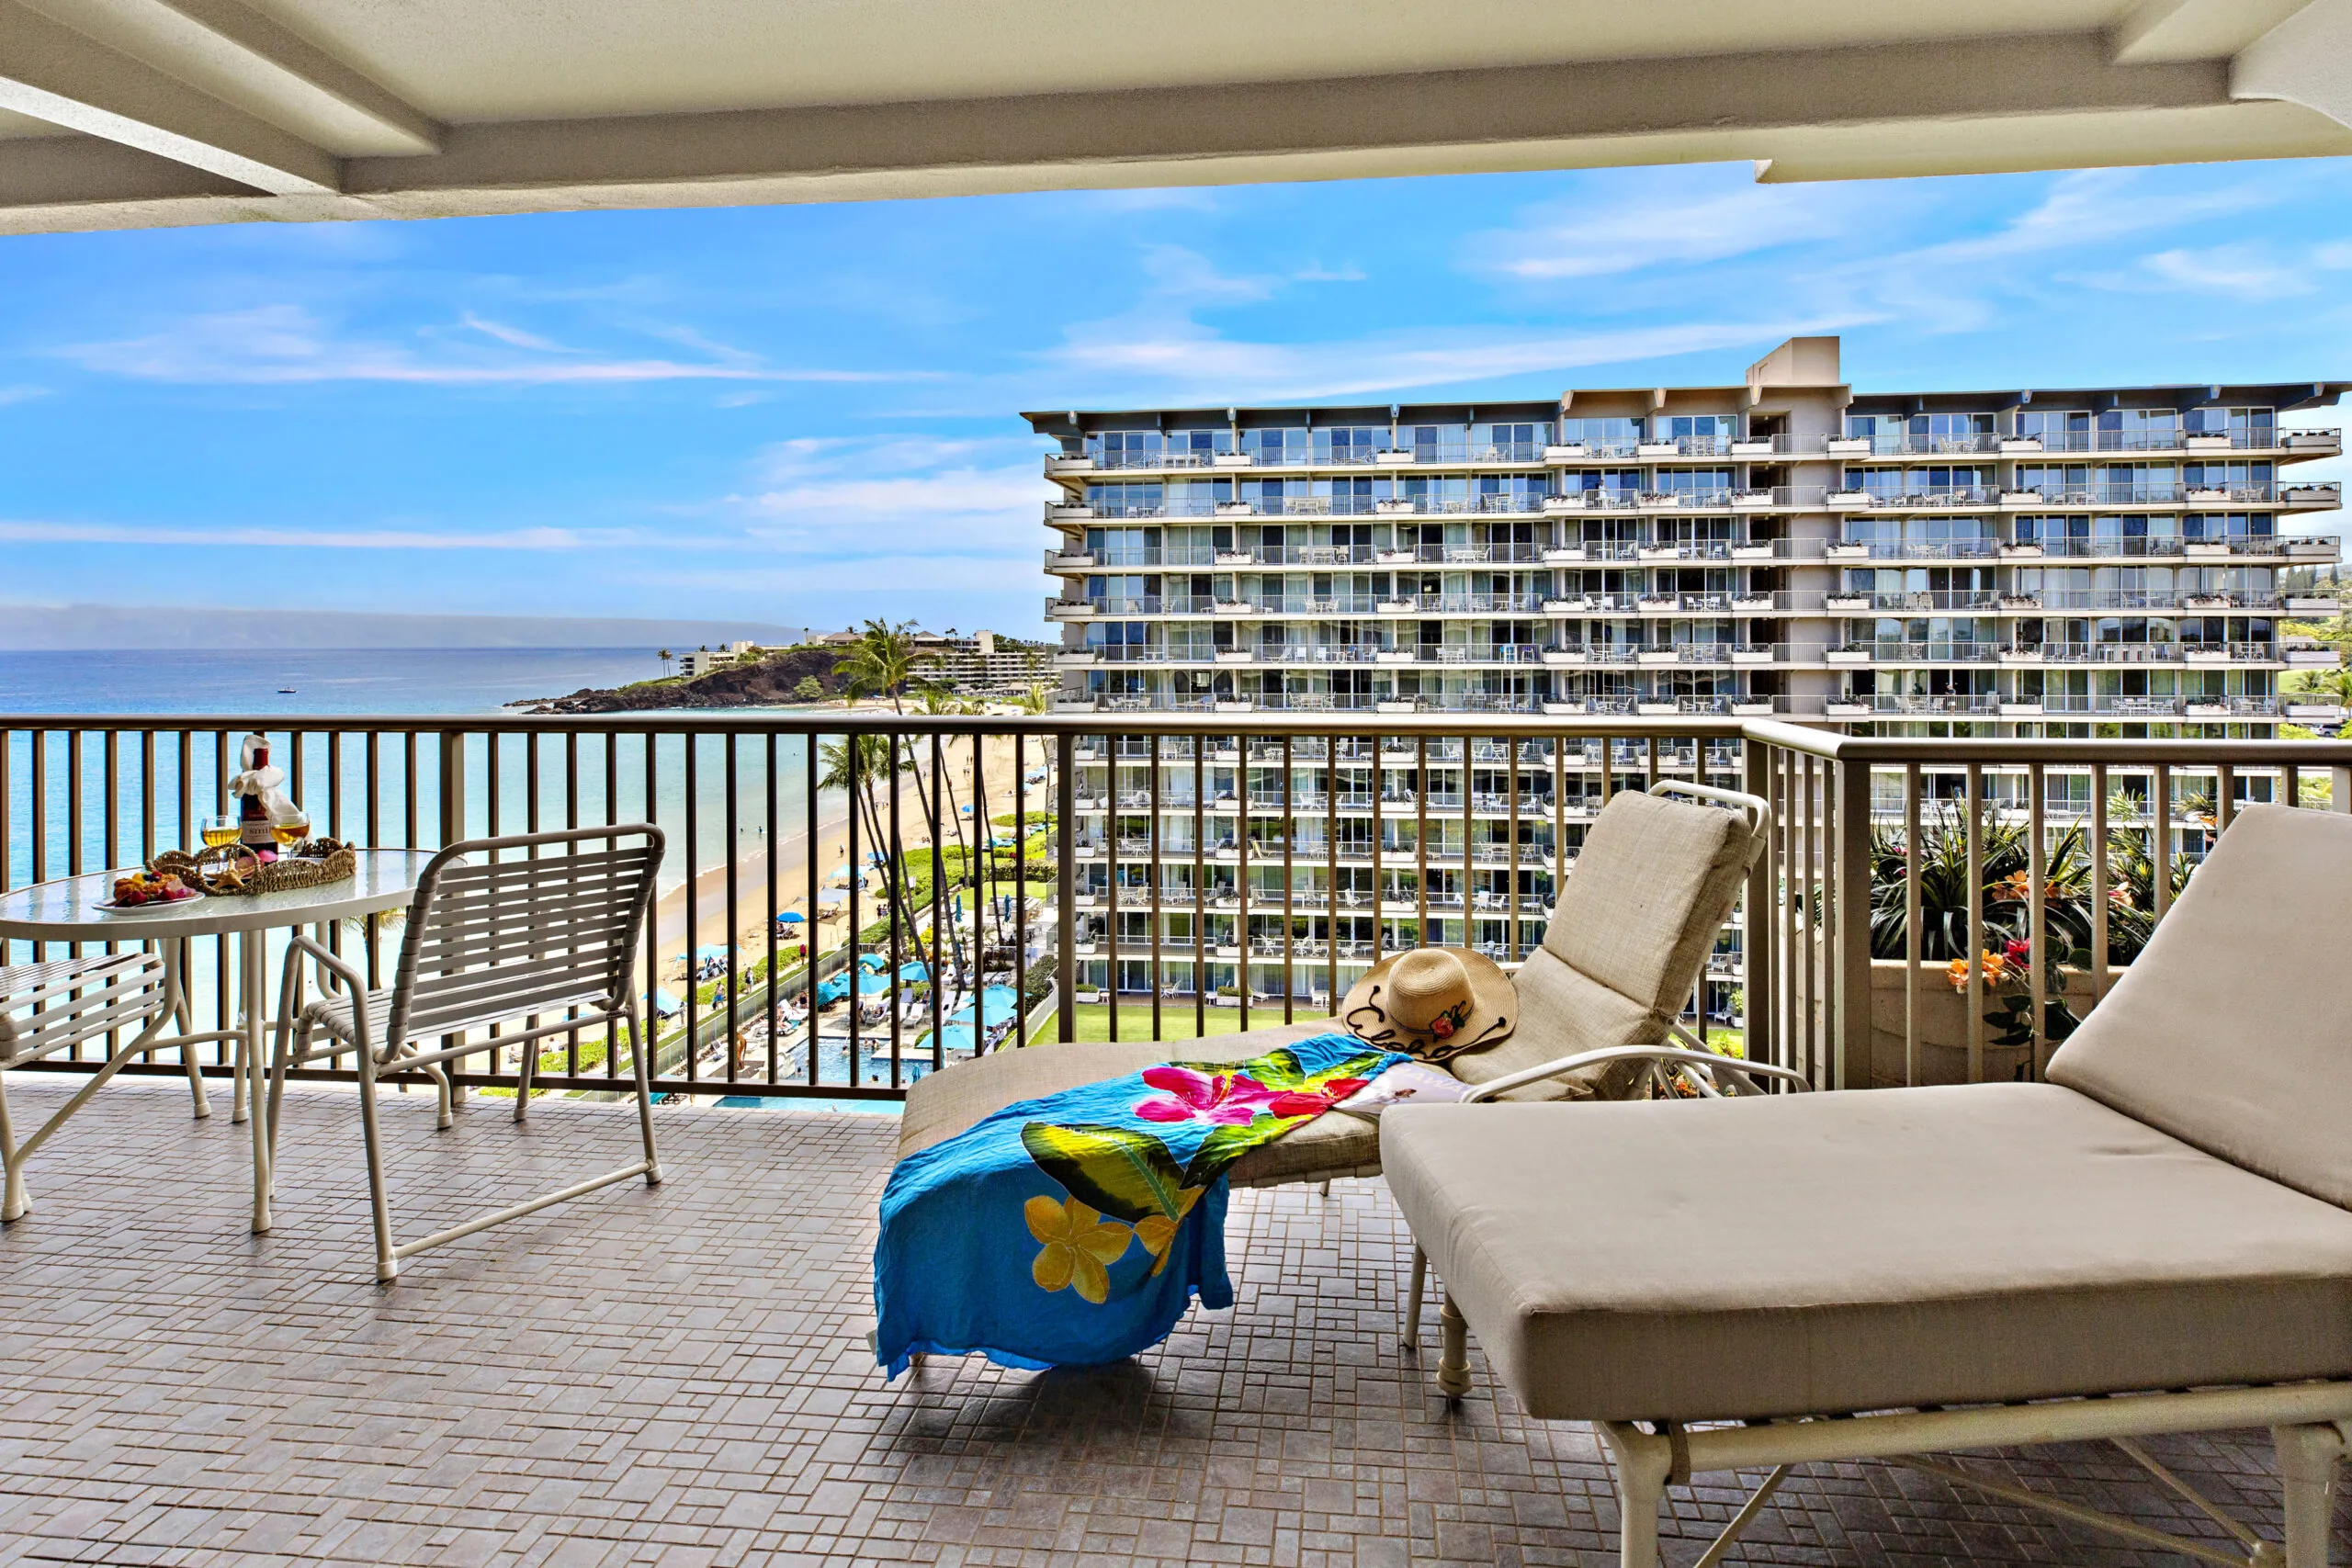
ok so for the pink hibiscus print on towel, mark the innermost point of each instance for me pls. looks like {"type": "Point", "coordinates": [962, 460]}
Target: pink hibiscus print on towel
{"type": "Point", "coordinates": [1232, 1101]}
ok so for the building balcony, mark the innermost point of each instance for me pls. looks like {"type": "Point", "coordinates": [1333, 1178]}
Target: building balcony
{"type": "Point", "coordinates": [189, 1391]}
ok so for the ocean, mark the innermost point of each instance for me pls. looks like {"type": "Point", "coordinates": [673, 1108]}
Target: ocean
{"type": "Point", "coordinates": [361, 682]}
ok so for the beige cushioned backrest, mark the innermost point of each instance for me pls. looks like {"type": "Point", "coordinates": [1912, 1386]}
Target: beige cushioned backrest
{"type": "Point", "coordinates": [1654, 884]}
{"type": "Point", "coordinates": [1632, 927]}
{"type": "Point", "coordinates": [2232, 1032]}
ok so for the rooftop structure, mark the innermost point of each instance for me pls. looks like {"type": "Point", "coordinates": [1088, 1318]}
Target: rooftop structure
{"type": "Point", "coordinates": [128, 113]}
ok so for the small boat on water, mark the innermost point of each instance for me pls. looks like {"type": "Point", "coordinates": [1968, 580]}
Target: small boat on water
{"type": "Point", "coordinates": [285, 691]}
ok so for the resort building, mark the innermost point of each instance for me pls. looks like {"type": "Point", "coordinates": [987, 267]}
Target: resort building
{"type": "Point", "coordinates": [2045, 559]}
{"type": "Point", "coordinates": [2061, 562]}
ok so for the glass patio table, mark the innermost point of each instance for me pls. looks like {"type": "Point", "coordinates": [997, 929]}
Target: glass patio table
{"type": "Point", "coordinates": [61, 911]}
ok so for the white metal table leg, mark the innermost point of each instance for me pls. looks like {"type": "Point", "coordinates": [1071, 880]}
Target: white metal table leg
{"type": "Point", "coordinates": [176, 1009]}
{"type": "Point", "coordinates": [249, 952]}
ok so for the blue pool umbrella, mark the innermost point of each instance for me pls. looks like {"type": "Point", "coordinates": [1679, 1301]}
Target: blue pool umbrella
{"type": "Point", "coordinates": [871, 962]}
{"type": "Point", "coordinates": [789, 917]}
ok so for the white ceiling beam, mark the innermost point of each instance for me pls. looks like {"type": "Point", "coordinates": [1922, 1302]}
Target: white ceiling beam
{"type": "Point", "coordinates": [1377, 124]}
{"type": "Point", "coordinates": [2306, 60]}
{"type": "Point", "coordinates": [2195, 30]}
{"type": "Point", "coordinates": [54, 72]}
{"type": "Point", "coordinates": [272, 44]}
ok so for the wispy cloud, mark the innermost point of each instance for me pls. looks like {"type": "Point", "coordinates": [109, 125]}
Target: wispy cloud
{"type": "Point", "coordinates": [1682, 225]}
{"type": "Point", "coordinates": [287, 343]}
{"type": "Point", "coordinates": [22, 392]}
{"type": "Point", "coordinates": [1189, 361]}
{"type": "Point", "coordinates": [66, 533]}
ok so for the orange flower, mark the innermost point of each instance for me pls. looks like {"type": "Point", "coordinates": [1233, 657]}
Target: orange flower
{"type": "Point", "coordinates": [1996, 967]}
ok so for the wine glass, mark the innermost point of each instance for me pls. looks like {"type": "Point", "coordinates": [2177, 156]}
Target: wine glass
{"type": "Point", "coordinates": [290, 830]}
{"type": "Point", "coordinates": [219, 830]}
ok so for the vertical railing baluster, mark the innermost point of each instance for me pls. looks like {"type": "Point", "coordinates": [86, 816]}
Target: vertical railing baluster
{"type": "Point", "coordinates": [852, 741]}
{"type": "Point", "coordinates": [893, 859]}
{"type": "Point", "coordinates": [1809, 902]}
{"type": "Point", "coordinates": [1290, 885]}
{"type": "Point", "coordinates": [1510, 873]}
{"type": "Point", "coordinates": [1421, 842]}
{"type": "Point", "coordinates": [1020, 887]}
{"type": "Point", "coordinates": [2036, 915]}
{"type": "Point", "coordinates": [1331, 867]}
{"type": "Point", "coordinates": [1379, 826]}
{"type": "Point", "coordinates": [1242, 856]}
{"type": "Point", "coordinates": [770, 766]}
{"type": "Point", "coordinates": [1972, 938]}
{"type": "Point", "coordinates": [1914, 940]}
{"type": "Point", "coordinates": [811, 836]}
{"type": "Point", "coordinates": [1200, 887]}
{"type": "Point", "coordinates": [1112, 889]}
{"type": "Point", "coordinates": [2160, 851]}
{"type": "Point", "coordinates": [653, 925]}
{"type": "Point", "coordinates": [731, 742]}
{"type": "Point", "coordinates": [1156, 868]}
{"type": "Point", "coordinates": [940, 936]}
{"type": "Point", "coordinates": [1065, 887]}
{"type": "Point", "coordinates": [1852, 914]}
{"type": "Point", "coordinates": [2100, 891]}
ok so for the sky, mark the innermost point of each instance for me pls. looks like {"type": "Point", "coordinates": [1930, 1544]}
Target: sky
{"type": "Point", "coordinates": [808, 415]}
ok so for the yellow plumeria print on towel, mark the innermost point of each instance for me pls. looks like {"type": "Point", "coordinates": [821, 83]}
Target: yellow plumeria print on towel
{"type": "Point", "coordinates": [1156, 1231]}
{"type": "Point", "coordinates": [1077, 1246]}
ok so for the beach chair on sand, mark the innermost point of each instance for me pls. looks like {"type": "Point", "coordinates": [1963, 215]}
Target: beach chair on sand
{"type": "Point", "coordinates": [2158, 1239]}
{"type": "Point", "coordinates": [1598, 1001]}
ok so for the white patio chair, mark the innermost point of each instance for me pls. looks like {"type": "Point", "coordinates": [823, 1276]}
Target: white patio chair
{"type": "Point", "coordinates": [49, 1008]}
{"type": "Point", "coordinates": [489, 941]}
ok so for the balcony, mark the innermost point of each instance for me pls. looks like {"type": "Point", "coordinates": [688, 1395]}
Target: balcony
{"type": "Point", "coordinates": [714, 1321]}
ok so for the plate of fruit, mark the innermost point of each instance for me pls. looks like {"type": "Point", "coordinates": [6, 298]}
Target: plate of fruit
{"type": "Point", "coordinates": [146, 892]}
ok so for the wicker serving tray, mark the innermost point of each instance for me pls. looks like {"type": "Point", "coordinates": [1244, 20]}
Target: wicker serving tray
{"type": "Point", "coordinates": [232, 869]}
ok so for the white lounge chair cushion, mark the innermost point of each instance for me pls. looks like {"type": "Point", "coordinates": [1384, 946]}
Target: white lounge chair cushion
{"type": "Point", "coordinates": [945, 1103]}
{"type": "Point", "coordinates": [2232, 1031]}
{"type": "Point", "coordinates": [1652, 887]}
{"type": "Point", "coordinates": [1824, 1253]}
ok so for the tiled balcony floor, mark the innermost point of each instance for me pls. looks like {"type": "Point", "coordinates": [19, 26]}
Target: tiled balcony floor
{"type": "Point", "coordinates": [680, 1376]}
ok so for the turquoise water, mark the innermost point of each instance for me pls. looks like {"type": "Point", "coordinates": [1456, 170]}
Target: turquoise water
{"type": "Point", "coordinates": [356, 682]}
{"type": "Point", "coordinates": [146, 808]}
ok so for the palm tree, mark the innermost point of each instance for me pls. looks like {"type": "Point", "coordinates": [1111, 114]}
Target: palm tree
{"type": "Point", "coordinates": [870, 758]}
{"type": "Point", "coordinates": [1038, 698]}
{"type": "Point", "coordinates": [883, 660]}
{"type": "Point", "coordinates": [665, 657]}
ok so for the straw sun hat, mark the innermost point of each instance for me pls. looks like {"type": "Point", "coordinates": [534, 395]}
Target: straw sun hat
{"type": "Point", "coordinates": [1435, 1002]}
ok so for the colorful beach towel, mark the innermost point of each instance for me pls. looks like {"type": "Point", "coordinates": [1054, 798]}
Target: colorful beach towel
{"type": "Point", "coordinates": [1074, 1229]}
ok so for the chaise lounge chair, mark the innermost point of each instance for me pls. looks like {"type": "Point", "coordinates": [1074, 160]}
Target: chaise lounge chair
{"type": "Point", "coordinates": [1631, 928]}
{"type": "Point", "coordinates": [2158, 1239]}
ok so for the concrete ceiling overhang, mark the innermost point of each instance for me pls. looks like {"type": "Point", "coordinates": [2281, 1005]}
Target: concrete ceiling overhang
{"type": "Point", "coordinates": [133, 113]}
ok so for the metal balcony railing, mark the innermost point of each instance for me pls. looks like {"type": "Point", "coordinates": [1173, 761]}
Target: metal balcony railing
{"type": "Point", "coordinates": [1008, 932]}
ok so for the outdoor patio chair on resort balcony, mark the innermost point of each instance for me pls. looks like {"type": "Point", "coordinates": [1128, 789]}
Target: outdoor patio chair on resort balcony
{"type": "Point", "coordinates": [45, 1008]}
{"type": "Point", "coordinates": [1629, 933]}
{"type": "Point", "coordinates": [2156, 1240]}
{"type": "Point", "coordinates": [546, 936]}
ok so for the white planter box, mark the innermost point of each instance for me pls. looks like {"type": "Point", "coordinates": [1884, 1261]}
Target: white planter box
{"type": "Point", "coordinates": [1396, 607]}
{"type": "Point", "coordinates": [1566, 656]}
{"type": "Point", "coordinates": [1849, 447]}
{"type": "Point", "coordinates": [1392, 459]}
{"type": "Point", "coordinates": [1565, 451]}
{"type": "Point", "coordinates": [1230, 460]}
{"type": "Point", "coordinates": [1396, 707]}
{"type": "Point", "coordinates": [1655, 450]}
{"type": "Point", "coordinates": [1235, 509]}
{"type": "Point", "coordinates": [1394, 656]}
